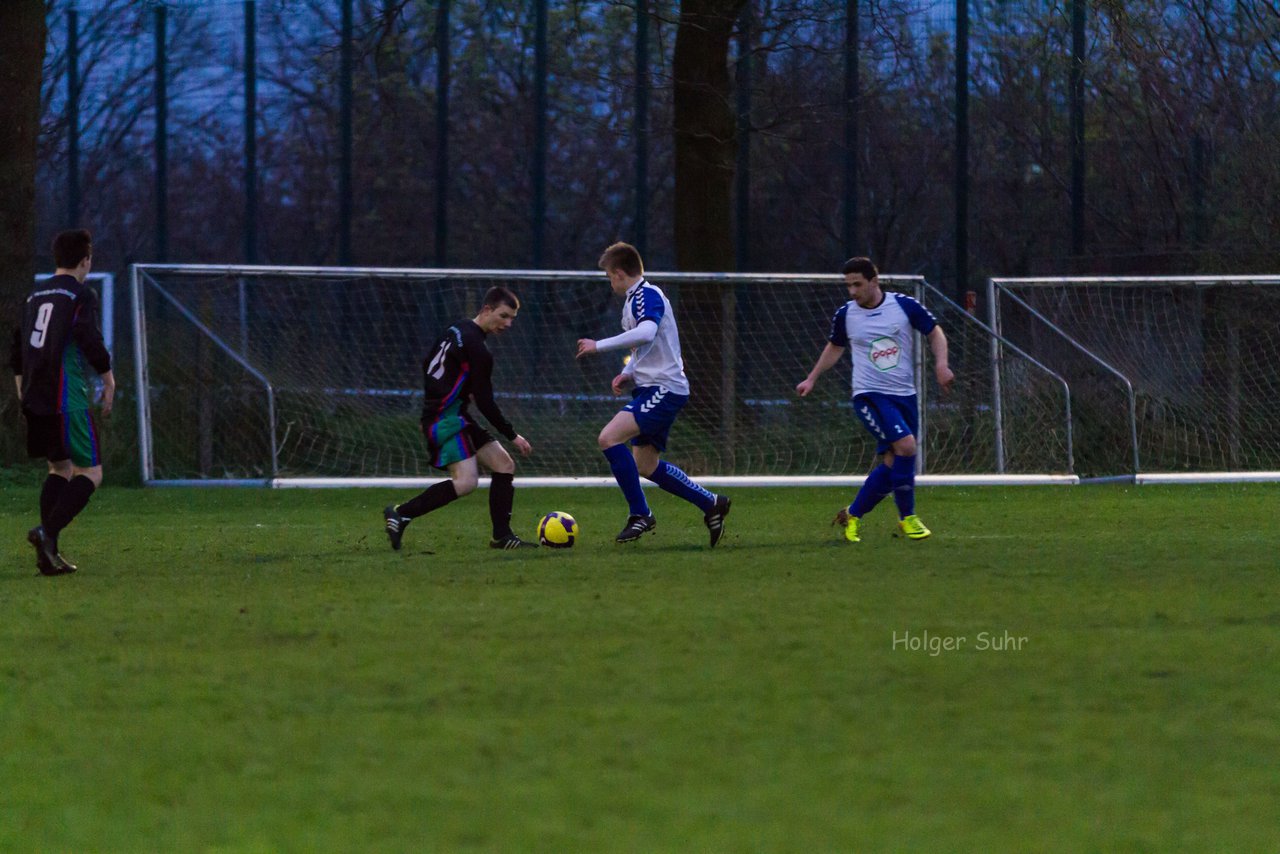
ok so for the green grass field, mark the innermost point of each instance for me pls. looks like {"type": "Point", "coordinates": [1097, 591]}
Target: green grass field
{"type": "Point", "coordinates": [242, 670]}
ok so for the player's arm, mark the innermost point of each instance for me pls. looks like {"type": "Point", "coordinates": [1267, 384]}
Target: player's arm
{"type": "Point", "coordinates": [108, 392]}
{"type": "Point", "coordinates": [923, 321]}
{"type": "Point", "coordinates": [15, 358]}
{"type": "Point", "coordinates": [837, 343]}
{"type": "Point", "coordinates": [88, 336]}
{"type": "Point", "coordinates": [481, 382]}
{"type": "Point", "coordinates": [826, 360]}
{"type": "Point", "coordinates": [643, 332]}
{"type": "Point", "coordinates": [938, 344]}
{"type": "Point", "coordinates": [626, 376]}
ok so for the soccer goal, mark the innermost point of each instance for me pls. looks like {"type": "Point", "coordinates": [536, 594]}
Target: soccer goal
{"type": "Point", "coordinates": [312, 377]}
{"type": "Point", "coordinates": [1174, 379]}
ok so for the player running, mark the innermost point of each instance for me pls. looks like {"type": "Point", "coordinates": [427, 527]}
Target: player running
{"type": "Point", "coordinates": [58, 340]}
{"type": "Point", "coordinates": [661, 391]}
{"type": "Point", "coordinates": [457, 370]}
{"type": "Point", "coordinates": [878, 329]}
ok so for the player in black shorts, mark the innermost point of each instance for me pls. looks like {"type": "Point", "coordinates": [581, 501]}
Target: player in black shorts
{"type": "Point", "coordinates": [458, 369]}
{"type": "Point", "coordinates": [56, 345]}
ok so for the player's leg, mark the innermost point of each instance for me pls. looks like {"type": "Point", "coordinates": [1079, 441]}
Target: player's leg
{"type": "Point", "coordinates": [57, 479]}
{"type": "Point", "coordinates": [901, 459]}
{"type": "Point", "coordinates": [452, 448]}
{"type": "Point", "coordinates": [463, 478]}
{"type": "Point", "coordinates": [879, 482]}
{"type": "Point", "coordinates": [655, 425]}
{"type": "Point", "coordinates": [501, 495]}
{"type": "Point", "coordinates": [54, 484]}
{"type": "Point", "coordinates": [613, 438]}
{"type": "Point", "coordinates": [45, 441]}
{"type": "Point", "coordinates": [81, 436]}
{"type": "Point", "coordinates": [903, 464]}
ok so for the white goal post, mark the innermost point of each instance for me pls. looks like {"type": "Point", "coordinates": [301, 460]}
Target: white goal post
{"type": "Point", "coordinates": [308, 376]}
{"type": "Point", "coordinates": [1175, 379]}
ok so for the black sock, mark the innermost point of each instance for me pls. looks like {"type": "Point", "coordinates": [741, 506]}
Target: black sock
{"type": "Point", "coordinates": [502, 492]}
{"type": "Point", "coordinates": [49, 495]}
{"type": "Point", "coordinates": [75, 495]}
{"type": "Point", "coordinates": [433, 497]}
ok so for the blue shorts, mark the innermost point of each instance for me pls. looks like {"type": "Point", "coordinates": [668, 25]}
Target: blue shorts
{"type": "Point", "coordinates": [888, 417]}
{"type": "Point", "coordinates": [655, 408]}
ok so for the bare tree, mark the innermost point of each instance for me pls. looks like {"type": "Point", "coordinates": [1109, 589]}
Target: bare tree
{"type": "Point", "coordinates": [705, 155]}
{"type": "Point", "coordinates": [22, 37]}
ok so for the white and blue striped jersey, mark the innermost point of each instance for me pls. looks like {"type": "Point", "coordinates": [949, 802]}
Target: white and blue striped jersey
{"type": "Point", "coordinates": [658, 362]}
{"type": "Point", "coordinates": [881, 342]}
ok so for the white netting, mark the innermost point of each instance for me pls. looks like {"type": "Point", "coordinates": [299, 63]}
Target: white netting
{"type": "Point", "coordinates": [256, 373]}
{"type": "Point", "coordinates": [1202, 356]}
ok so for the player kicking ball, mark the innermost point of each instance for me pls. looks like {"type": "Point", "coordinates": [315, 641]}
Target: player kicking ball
{"type": "Point", "coordinates": [660, 391]}
{"type": "Point", "coordinates": [459, 369]}
{"type": "Point", "coordinates": [877, 329]}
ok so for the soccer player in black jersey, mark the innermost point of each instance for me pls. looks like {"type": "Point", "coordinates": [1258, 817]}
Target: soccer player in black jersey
{"type": "Point", "coordinates": [458, 369]}
{"type": "Point", "coordinates": [56, 344]}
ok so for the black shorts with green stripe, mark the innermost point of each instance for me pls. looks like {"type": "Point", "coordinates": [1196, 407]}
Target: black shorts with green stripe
{"type": "Point", "coordinates": [64, 435]}
{"type": "Point", "coordinates": [454, 437]}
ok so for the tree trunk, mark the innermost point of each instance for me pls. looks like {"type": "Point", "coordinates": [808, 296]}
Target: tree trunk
{"type": "Point", "coordinates": [22, 37]}
{"type": "Point", "coordinates": [705, 155]}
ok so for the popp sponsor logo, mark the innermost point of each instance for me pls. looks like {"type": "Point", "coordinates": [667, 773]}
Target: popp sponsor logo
{"type": "Point", "coordinates": [885, 353]}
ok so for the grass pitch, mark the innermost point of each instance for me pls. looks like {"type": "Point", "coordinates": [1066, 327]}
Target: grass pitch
{"type": "Point", "coordinates": [239, 670]}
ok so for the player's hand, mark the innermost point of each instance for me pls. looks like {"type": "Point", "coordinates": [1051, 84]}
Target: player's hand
{"type": "Point", "coordinates": [585, 346]}
{"type": "Point", "coordinates": [805, 386]}
{"type": "Point", "coordinates": [108, 394]}
{"type": "Point", "coordinates": [620, 382]}
{"type": "Point", "coordinates": [945, 377]}
{"type": "Point", "coordinates": [522, 445]}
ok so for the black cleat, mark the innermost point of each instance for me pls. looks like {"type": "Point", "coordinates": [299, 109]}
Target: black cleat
{"type": "Point", "coordinates": [511, 541]}
{"type": "Point", "coordinates": [48, 561]}
{"type": "Point", "coordinates": [36, 537]}
{"type": "Point", "coordinates": [635, 528]}
{"type": "Point", "coordinates": [395, 525]}
{"type": "Point", "coordinates": [714, 519]}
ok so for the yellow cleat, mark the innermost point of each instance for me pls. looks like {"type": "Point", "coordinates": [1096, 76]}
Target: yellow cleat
{"type": "Point", "coordinates": [913, 528]}
{"type": "Point", "coordinates": [849, 523]}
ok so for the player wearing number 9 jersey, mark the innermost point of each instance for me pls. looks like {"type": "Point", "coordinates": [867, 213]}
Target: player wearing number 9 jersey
{"type": "Point", "coordinates": [457, 370]}
{"type": "Point", "coordinates": [56, 344]}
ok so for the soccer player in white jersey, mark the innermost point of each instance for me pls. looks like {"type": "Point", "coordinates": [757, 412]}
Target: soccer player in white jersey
{"type": "Point", "coordinates": [879, 330]}
{"type": "Point", "coordinates": [660, 391]}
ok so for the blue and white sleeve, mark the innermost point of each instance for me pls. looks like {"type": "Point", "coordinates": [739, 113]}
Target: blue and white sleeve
{"type": "Point", "coordinates": [647, 305]}
{"type": "Point", "coordinates": [839, 335]}
{"type": "Point", "coordinates": [920, 318]}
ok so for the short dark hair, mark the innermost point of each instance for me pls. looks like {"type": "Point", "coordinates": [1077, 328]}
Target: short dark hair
{"type": "Point", "coordinates": [860, 265]}
{"type": "Point", "coordinates": [72, 247]}
{"type": "Point", "coordinates": [498, 295]}
{"type": "Point", "coordinates": [624, 257]}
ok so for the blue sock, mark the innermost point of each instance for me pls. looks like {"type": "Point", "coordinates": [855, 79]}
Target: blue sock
{"type": "Point", "coordinates": [628, 477]}
{"type": "Point", "coordinates": [877, 485]}
{"type": "Point", "coordinates": [904, 485]}
{"type": "Point", "coordinates": [675, 481]}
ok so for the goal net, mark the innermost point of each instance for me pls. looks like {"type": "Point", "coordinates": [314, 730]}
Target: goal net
{"type": "Point", "coordinates": [1170, 377]}
{"type": "Point", "coordinates": [313, 376]}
